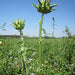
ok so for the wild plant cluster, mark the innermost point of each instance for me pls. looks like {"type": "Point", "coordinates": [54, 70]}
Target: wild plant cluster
{"type": "Point", "coordinates": [58, 57]}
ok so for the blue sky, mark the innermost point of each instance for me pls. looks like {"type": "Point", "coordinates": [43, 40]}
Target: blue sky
{"type": "Point", "coordinates": [13, 9]}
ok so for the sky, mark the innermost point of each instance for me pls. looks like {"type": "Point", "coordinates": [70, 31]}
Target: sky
{"type": "Point", "coordinates": [22, 9]}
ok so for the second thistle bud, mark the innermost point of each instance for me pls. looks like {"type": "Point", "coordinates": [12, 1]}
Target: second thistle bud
{"type": "Point", "coordinates": [18, 24]}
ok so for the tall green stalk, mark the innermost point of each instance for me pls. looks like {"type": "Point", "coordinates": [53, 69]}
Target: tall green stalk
{"type": "Point", "coordinates": [40, 28]}
{"type": "Point", "coordinates": [43, 7]}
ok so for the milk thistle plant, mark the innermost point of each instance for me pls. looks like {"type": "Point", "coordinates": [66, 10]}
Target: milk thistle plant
{"type": "Point", "coordinates": [19, 25]}
{"type": "Point", "coordinates": [43, 7]}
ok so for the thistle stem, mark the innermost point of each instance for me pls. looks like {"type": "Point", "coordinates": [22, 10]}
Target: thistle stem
{"type": "Point", "coordinates": [23, 53]}
{"type": "Point", "coordinates": [21, 36]}
{"type": "Point", "coordinates": [40, 50]}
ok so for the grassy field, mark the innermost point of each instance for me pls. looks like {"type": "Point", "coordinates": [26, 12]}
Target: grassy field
{"type": "Point", "coordinates": [58, 56]}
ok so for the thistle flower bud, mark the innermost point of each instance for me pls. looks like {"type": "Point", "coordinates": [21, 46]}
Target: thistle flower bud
{"type": "Point", "coordinates": [44, 6]}
{"type": "Point", "coordinates": [19, 25]}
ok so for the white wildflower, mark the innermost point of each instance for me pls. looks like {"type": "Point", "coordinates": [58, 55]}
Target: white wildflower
{"type": "Point", "coordinates": [33, 53]}
{"type": "Point", "coordinates": [10, 63]}
{"type": "Point", "coordinates": [40, 69]}
{"type": "Point", "coordinates": [11, 57]}
{"type": "Point", "coordinates": [72, 65]}
{"type": "Point", "coordinates": [30, 67]}
{"type": "Point", "coordinates": [33, 67]}
{"type": "Point", "coordinates": [42, 64]}
{"type": "Point", "coordinates": [46, 62]}
{"type": "Point", "coordinates": [30, 60]}
{"type": "Point", "coordinates": [44, 73]}
{"type": "Point", "coordinates": [37, 70]}
{"type": "Point", "coordinates": [5, 68]}
{"type": "Point", "coordinates": [32, 73]}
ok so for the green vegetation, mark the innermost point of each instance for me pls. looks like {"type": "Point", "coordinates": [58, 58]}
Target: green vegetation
{"type": "Point", "coordinates": [58, 57]}
{"type": "Point", "coordinates": [43, 56]}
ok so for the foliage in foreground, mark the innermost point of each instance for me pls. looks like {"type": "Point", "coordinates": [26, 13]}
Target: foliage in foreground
{"type": "Point", "coordinates": [57, 57]}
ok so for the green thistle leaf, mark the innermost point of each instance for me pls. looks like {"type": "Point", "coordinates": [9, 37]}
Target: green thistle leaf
{"type": "Point", "coordinates": [34, 5]}
{"type": "Point", "coordinates": [44, 31]}
{"type": "Point", "coordinates": [53, 5]}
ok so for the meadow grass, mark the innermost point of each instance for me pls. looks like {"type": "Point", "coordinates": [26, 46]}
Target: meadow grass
{"type": "Point", "coordinates": [58, 57]}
